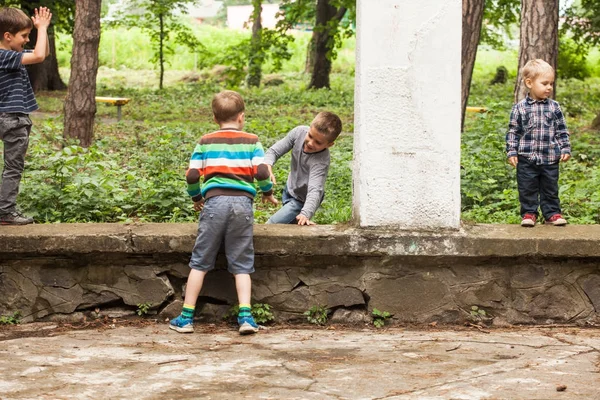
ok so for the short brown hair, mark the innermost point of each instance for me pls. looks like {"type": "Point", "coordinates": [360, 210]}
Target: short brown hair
{"type": "Point", "coordinates": [227, 105]}
{"type": "Point", "coordinates": [534, 68]}
{"type": "Point", "coordinates": [328, 124]}
{"type": "Point", "coordinates": [13, 20]}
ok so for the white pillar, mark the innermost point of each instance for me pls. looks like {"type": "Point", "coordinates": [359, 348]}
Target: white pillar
{"type": "Point", "coordinates": [407, 113]}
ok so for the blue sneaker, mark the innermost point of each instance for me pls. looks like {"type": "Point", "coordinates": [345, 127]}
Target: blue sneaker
{"type": "Point", "coordinates": [182, 325]}
{"type": "Point", "coordinates": [247, 325]}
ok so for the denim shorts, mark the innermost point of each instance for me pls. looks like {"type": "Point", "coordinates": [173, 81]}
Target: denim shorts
{"type": "Point", "coordinates": [227, 221]}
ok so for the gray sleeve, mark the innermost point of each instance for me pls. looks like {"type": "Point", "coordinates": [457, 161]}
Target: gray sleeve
{"type": "Point", "coordinates": [283, 146]}
{"type": "Point", "coordinates": [316, 188]}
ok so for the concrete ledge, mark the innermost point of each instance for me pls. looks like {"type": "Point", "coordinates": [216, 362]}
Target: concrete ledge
{"type": "Point", "coordinates": [326, 240]}
{"type": "Point", "coordinates": [509, 274]}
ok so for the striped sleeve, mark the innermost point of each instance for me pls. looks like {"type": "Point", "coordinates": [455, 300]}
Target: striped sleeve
{"type": "Point", "coordinates": [194, 173]}
{"type": "Point", "coordinates": [10, 60]}
{"type": "Point", "coordinates": [261, 172]}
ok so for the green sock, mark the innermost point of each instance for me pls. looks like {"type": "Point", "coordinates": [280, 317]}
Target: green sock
{"type": "Point", "coordinates": [245, 310]}
{"type": "Point", "coordinates": [188, 311]}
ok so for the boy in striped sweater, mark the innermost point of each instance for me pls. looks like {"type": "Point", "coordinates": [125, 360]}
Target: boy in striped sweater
{"type": "Point", "coordinates": [228, 160]}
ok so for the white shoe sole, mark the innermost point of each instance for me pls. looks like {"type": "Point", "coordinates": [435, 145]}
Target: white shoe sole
{"type": "Point", "coordinates": [184, 329]}
{"type": "Point", "coordinates": [528, 224]}
{"type": "Point", "coordinates": [246, 329]}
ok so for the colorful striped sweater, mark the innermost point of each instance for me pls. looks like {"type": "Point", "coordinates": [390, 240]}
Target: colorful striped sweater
{"type": "Point", "coordinates": [229, 161]}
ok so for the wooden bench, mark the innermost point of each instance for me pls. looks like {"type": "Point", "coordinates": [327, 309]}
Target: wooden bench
{"type": "Point", "coordinates": [477, 109]}
{"type": "Point", "coordinates": [115, 101]}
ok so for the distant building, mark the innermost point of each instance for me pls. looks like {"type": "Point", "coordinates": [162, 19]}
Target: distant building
{"type": "Point", "coordinates": [238, 16]}
{"type": "Point", "coordinates": [204, 9]}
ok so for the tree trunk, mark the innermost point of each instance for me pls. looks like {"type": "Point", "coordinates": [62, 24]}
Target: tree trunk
{"type": "Point", "coordinates": [161, 52]}
{"type": "Point", "coordinates": [310, 56]}
{"type": "Point", "coordinates": [472, 15]}
{"type": "Point", "coordinates": [43, 76]}
{"type": "Point", "coordinates": [80, 104]}
{"type": "Point", "coordinates": [256, 58]}
{"type": "Point", "coordinates": [539, 37]}
{"type": "Point", "coordinates": [322, 36]}
{"type": "Point", "coordinates": [596, 123]}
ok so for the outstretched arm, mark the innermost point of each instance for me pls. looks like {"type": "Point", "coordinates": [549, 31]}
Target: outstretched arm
{"type": "Point", "coordinates": [41, 20]}
{"type": "Point", "coordinates": [283, 145]}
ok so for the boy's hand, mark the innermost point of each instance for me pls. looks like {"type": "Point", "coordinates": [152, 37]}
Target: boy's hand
{"type": "Point", "coordinates": [565, 157]}
{"type": "Point", "coordinates": [41, 18]}
{"type": "Point", "coordinates": [513, 161]}
{"type": "Point", "coordinates": [270, 167]}
{"type": "Point", "coordinates": [269, 199]}
{"type": "Point", "coordinates": [199, 205]}
{"type": "Point", "coordinates": [303, 220]}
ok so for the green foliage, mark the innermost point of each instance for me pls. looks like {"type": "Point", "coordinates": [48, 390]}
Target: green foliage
{"type": "Point", "coordinates": [477, 314]}
{"type": "Point", "coordinates": [380, 317]}
{"type": "Point", "coordinates": [499, 16]}
{"type": "Point", "coordinates": [317, 315]}
{"type": "Point", "coordinates": [143, 308]}
{"type": "Point", "coordinates": [572, 60]}
{"type": "Point", "coordinates": [134, 171]}
{"type": "Point", "coordinates": [13, 319]}
{"type": "Point", "coordinates": [339, 28]}
{"type": "Point", "coordinates": [260, 311]}
{"type": "Point", "coordinates": [161, 20]}
{"type": "Point", "coordinates": [582, 21]}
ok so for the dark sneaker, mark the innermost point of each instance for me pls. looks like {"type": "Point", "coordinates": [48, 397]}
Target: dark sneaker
{"type": "Point", "coordinates": [182, 325]}
{"type": "Point", "coordinates": [15, 218]}
{"type": "Point", "coordinates": [247, 325]}
{"type": "Point", "coordinates": [556, 220]}
{"type": "Point", "coordinates": [528, 220]}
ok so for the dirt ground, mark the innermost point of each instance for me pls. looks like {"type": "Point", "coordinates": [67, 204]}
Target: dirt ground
{"type": "Point", "coordinates": [143, 359]}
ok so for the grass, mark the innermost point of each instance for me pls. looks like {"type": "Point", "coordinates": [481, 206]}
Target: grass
{"type": "Point", "coordinates": [122, 50]}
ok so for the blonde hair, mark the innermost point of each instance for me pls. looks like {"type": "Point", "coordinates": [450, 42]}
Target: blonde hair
{"type": "Point", "coordinates": [13, 20]}
{"type": "Point", "coordinates": [328, 124]}
{"type": "Point", "coordinates": [534, 68]}
{"type": "Point", "coordinates": [227, 105]}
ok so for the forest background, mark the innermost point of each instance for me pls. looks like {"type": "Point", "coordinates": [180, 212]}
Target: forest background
{"type": "Point", "coordinates": [134, 168]}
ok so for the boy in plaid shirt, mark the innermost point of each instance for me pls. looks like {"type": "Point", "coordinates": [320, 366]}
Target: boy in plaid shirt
{"type": "Point", "coordinates": [536, 141]}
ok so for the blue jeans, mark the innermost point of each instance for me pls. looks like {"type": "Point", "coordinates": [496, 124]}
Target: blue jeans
{"type": "Point", "coordinates": [287, 214]}
{"type": "Point", "coordinates": [538, 188]}
{"type": "Point", "coordinates": [227, 220]}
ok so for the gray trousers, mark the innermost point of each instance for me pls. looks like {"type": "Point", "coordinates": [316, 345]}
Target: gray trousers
{"type": "Point", "coordinates": [14, 132]}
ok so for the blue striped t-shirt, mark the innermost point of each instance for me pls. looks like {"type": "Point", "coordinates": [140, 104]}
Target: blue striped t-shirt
{"type": "Point", "coordinates": [16, 93]}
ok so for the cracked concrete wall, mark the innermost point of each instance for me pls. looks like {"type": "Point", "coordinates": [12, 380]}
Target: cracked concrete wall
{"type": "Point", "coordinates": [407, 114]}
{"type": "Point", "coordinates": [511, 274]}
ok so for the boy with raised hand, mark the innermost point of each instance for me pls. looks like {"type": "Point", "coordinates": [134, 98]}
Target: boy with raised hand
{"type": "Point", "coordinates": [305, 186]}
{"type": "Point", "coordinates": [228, 160]}
{"type": "Point", "coordinates": [536, 141]}
{"type": "Point", "coordinates": [17, 100]}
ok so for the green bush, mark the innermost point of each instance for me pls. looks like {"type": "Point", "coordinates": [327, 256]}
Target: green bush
{"type": "Point", "coordinates": [317, 315]}
{"type": "Point", "coordinates": [13, 319]}
{"type": "Point", "coordinates": [571, 62]}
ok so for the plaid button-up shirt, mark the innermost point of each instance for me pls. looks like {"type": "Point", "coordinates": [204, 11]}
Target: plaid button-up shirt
{"type": "Point", "coordinates": [537, 131]}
